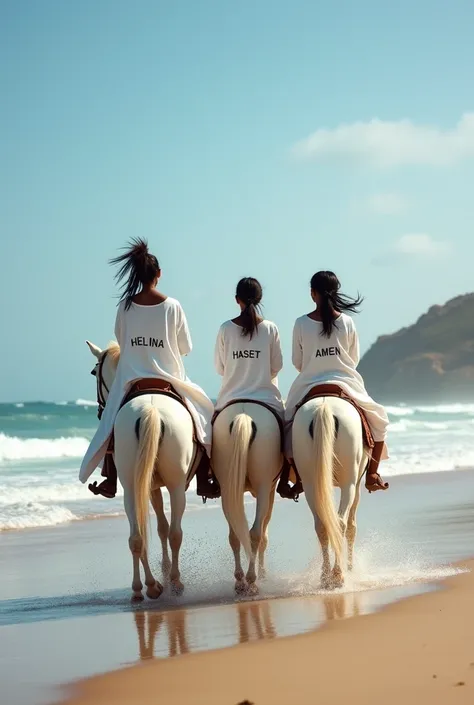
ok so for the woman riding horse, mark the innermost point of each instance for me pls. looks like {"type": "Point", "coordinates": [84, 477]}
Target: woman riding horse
{"type": "Point", "coordinates": [249, 369]}
{"type": "Point", "coordinates": [248, 428]}
{"type": "Point", "coordinates": [153, 335]}
{"type": "Point", "coordinates": [326, 352]}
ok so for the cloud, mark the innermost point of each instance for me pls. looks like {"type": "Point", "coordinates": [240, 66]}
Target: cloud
{"type": "Point", "coordinates": [413, 245]}
{"type": "Point", "coordinates": [386, 203]}
{"type": "Point", "coordinates": [388, 144]}
{"type": "Point", "coordinates": [421, 244]}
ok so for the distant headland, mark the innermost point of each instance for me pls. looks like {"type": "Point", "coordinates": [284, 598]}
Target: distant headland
{"type": "Point", "coordinates": [431, 361]}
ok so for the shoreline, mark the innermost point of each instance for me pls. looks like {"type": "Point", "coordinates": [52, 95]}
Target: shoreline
{"type": "Point", "coordinates": [213, 504]}
{"type": "Point", "coordinates": [69, 587]}
{"type": "Point", "coordinates": [427, 655]}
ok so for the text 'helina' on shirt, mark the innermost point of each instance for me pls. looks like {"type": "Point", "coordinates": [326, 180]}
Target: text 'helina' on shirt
{"type": "Point", "coordinates": [147, 343]}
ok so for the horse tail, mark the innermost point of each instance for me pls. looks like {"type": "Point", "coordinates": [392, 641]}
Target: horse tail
{"type": "Point", "coordinates": [324, 433]}
{"type": "Point", "coordinates": [233, 491]}
{"type": "Point", "coordinates": [148, 432]}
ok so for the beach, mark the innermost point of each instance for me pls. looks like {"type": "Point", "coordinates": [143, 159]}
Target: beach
{"type": "Point", "coordinates": [419, 650]}
{"type": "Point", "coordinates": [65, 612]}
{"type": "Point", "coordinates": [246, 203]}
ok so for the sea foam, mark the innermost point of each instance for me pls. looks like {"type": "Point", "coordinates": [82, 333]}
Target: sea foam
{"type": "Point", "coordinates": [14, 448]}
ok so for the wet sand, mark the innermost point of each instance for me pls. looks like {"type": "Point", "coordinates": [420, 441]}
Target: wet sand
{"type": "Point", "coordinates": [64, 597]}
{"type": "Point", "coordinates": [419, 650]}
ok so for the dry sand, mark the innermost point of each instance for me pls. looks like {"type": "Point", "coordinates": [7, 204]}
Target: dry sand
{"type": "Point", "coordinates": [415, 651]}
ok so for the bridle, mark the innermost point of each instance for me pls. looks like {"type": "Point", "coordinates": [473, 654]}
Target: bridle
{"type": "Point", "coordinates": [101, 385]}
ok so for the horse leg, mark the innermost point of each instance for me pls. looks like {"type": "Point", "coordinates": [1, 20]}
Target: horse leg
{"type": "Point", "coordinates": [263, 506]}
{"type": "Point", "coordinates": [264, 541]}
{"type": "Point", "coordinates": [178, 505]}
{"type": "Point", "coordinates": [135, 542]}
{"type": "Point", "coordinates": [321, 534]}
{"type": "Point", "coordinates": [347, 499]}
{"type": "Point", "coordinates": [154, 588]}
{"type": "Point", "coordinates": [163, 530]}
{"type": "Point", "coordinates": [324, 541]}
{"type": "Point", "coordinates": [240, 584]}
{"type": "Point", "coordinates": [352, 528]}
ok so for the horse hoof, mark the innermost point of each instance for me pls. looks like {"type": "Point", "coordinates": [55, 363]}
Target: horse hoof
{"type": "Point", "coordinates": [240, 587]}
{"type": "Point", "coordinates": [177, 587]}
{"type": "Point", "coordinates": [326, 582]}
{"type": "Point", "coordinates": [136, 598]}
{"type": "Point", "coordinates": [252, 589]}
{"type": "Point", "coordinates": [337, 582]}
{"type": "Point", "coordinates": [154, 591]}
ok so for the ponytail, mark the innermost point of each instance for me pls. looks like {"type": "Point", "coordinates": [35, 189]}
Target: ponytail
{"type": "Point", "coordinates": [331, 301]}
{"type": "Point", "coordinates": [138, 268]}
{"type": "Point", "coordinates": [249, 292]}
{"type": "Point", "coordinates": [249, 318]}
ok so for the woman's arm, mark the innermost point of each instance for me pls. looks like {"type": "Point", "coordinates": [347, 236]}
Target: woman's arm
{"type": "Point", "coordinates": [219, 358]}
{"type": "Point", "coordinates": [354, 346]}
{"type": "Point", "coordinates": [183, 335]}
{"type": "Point", "coordinates": [119, 326]}
{"type": "Point", "coordinates": [297, 352]}
{"type": "Point", "coordinates": [276, 358]}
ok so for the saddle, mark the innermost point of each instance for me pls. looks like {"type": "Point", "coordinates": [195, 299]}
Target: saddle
{"type": "Point", "coordinates": [159, 386]}
{"type": "Point", "coordinates": [333, 390]}
{"type": "Point", "coordinates": [320, 390]}
{"type": "Point", "coordinates": [275, 414]}
{"type": "Point", "coordinates": [259, 403]}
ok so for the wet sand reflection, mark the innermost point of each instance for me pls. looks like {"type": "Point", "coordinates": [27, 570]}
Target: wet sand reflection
{"type": "Point", "coordinates": [177, 632]}
{"type": "Point", "coordinates": [148, 626]}
{"type": "Point", "coordinates": [341, 606]}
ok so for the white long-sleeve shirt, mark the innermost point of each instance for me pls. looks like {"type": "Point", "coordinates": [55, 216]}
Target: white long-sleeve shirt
{"type": "Point", "coordinates": [152, 341]}
{"type": "Point", "coordinates": [333, 360]}
{"type": "Point", "coordinates": [249, 368]}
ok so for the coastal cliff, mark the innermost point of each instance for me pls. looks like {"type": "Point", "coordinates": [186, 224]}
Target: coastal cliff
{"type": "Point", "coordinates": [431, 361]}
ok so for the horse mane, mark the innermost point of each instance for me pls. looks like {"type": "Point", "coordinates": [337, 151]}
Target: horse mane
{"type": "Point", "coordinates": [113, 351]}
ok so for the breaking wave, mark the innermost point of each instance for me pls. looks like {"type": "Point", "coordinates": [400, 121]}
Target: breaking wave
{"type": "Point", "coordinates": [14, 448]}
{"type": "Point", "coordinates": [32, 515]}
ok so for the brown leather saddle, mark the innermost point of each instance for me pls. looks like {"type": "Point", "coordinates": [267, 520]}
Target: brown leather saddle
{"type": "Point", "coordinates": [138, 389]}
{"type": "Point", "coordinates": [265, 406]}
{"type": "Point", "coordinates": [333, 390]}
{"type": "Point", "coordinates": [290, 471]}
{"type": "Point", "coordinates": [259, 403]}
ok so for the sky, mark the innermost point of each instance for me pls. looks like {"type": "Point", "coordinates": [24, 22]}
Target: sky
{"type": "Point", "coordinates": [254, 138]}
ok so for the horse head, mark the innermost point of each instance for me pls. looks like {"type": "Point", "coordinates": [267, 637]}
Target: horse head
{"type": "Point", "coordinates": [104, 370]}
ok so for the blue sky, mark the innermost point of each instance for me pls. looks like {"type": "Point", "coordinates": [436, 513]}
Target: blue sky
{"type": "Point", "coordinates": [263, 138]}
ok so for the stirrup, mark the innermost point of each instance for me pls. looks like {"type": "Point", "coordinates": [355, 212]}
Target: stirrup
{"type": "Point", "coordinates": [211, 491]}
{"type": "Point", "coordinates": [286, 491]}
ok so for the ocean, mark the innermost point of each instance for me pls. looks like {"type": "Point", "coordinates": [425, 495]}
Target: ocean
{"type": "Point", "coordinates": [41, 446]}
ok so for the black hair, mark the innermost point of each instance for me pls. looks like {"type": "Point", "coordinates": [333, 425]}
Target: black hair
{"type": "Point", "coordinates": [138, 268]}
{"type": "Point", "coordinates": [249, 292]}
{"type": "Point", "coordinates": [327, 285]}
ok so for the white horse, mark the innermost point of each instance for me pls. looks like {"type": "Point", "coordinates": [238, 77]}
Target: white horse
{"type": "Point", "coordinates": [154, 448]}
{"type": "Point", "coordinates": [246, 456]}
{"type": "Point", "coordinates": [329, 451]}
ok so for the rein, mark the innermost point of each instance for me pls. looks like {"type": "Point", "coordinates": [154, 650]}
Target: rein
{"type": "Point", "coordinates": [101, 385]}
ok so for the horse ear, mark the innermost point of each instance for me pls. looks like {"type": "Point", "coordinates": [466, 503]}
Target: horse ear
{"type": "Point", "coordinates": [97, 352]}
